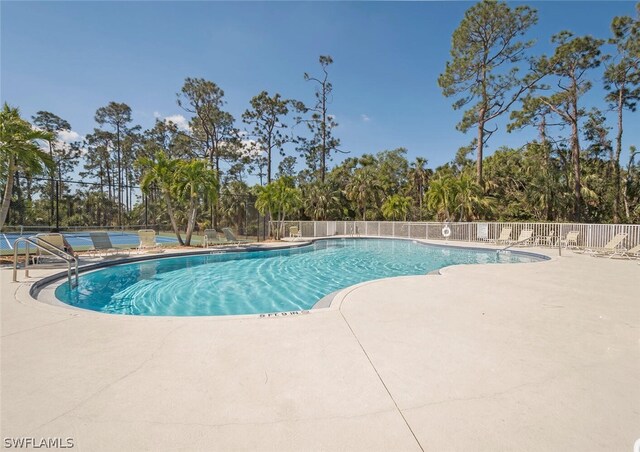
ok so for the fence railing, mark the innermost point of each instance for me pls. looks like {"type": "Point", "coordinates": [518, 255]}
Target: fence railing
{"type": "Point", "coordinates": [589, 235]}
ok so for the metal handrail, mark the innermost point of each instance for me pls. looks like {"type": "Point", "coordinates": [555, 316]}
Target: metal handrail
{"type": "Point", "coordinates": [49, 248]}
{"type": "Point", "coordinates": [513, 244]}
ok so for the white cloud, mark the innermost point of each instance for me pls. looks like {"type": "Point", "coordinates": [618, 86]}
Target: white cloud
{"type": "Point", "coordinates": [178, 120]}
{"type": "Point", "coordinates": [365, 118]}
{"type": "Point", "coordinates": [250, 148]}
{"type": "Point", "coordinates": [69, 136]}
{"type": "Point", "coordinates": [63, 140]}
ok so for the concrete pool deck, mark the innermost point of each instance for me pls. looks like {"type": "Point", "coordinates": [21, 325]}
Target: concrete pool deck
{"type": "Point", "coordinates": [540, 356]}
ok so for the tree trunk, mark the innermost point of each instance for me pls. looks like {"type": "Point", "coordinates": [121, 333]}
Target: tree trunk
{"type": "Point", "coordinates": [6, 200]}
{"type": "Point", "coordinates": [172, 218]}
{"type": "Point", "coordinates": [193, 209]}
{"type": "Point", "coordinates": [616, 168]}
{"type": "Point", "coordinates": [119, 177]}
{"type": "Point", "coordinates": [480, 147]}
{"type": "Point", "coordinates": [547, 168]}
{"type": "Point", "coordinates": [577, 186]}
{"type": "Point", "coordinates": [268, 159]}
{"type": "Point", "coordinates": [324, 132]}
{"type": "Point", "coordinates": [51, 188]}
{"type": "Point", "coordinates": [216, 203]}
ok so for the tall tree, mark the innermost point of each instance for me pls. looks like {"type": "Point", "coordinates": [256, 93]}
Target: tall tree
{"type": "Point", "coordinates": [364, 189]}
{"type": "Point", "coordinates": [117, 115]}
{"type": "Point", "coordinates": [266, 117]}
{"type": "Point", "coordinates": [485, 50]}
{"type": "Point", "coordinates": [98, 162]}
{"type": "Point", "coordinates": [211, 125]}
{"type": "Point", "coordinates": [277, 200]}
{"type": "Point", "coordinates": [192, 181]}
{"type": "Point", "coordinates": [19, 148]}
{"type": "Point", "coordinates": [160, 172]}
{"type": "Point", "coordinates": [53, 124]}
{"type": "Point", "coordinates": [622, 81]}
{"type": "Point", "coordinates": [323, 143]}
{"type": "Point", "coordinates": [441, 196]}
{"type": "Point", "coordinates": [396, 207]}
{"type": "Point", "coordinates": [418, 180]}
{"type": "Point", "coordinates": [570, 65]}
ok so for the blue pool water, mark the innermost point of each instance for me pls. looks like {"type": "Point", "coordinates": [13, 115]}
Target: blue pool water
{"type": "Point", "coordinates": [260, 281]}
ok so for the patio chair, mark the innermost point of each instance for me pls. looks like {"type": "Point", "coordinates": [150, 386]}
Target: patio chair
{"type": "Point", "coordinates": [546, 240]}
{"type": "Point", "coordinates": [102, 243]}
{"type": "Point", "coordinates": [231, 238]}
{"type": "Point", "coordinates": [51, 240]}
{"type": "Point", "coordinates": [612, 248]}
{"type": "Point", "coordinates": [294, 231]}
{"type": "Point", "coordinates": [505, 235]}
{"type": "Point", "coordinates": [571, 240]}
{"type": "Point", "coordinates": [148, 240]}
{"type": "Point", "coordinates": [210, 238]}
{"type": "Point", "coordinates": [632, 253]}
{"type": "Point", "coordinates": [523, 239]}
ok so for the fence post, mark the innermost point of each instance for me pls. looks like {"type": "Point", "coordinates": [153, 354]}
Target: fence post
{"type": "Point", "coordinates": [314, 229]}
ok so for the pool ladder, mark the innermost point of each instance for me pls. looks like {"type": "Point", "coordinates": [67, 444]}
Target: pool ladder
{"type": "Point", "coordinates": [505, 250]}
{"type": "Point", "coordinates": [48, 248]}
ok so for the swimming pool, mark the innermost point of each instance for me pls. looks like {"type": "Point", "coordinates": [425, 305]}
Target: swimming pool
{"type": "Point", "coordinates": [257, 282]}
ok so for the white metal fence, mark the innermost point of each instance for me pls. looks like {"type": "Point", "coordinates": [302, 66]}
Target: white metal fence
{"type": "Point", "coordinates": [589, 235]}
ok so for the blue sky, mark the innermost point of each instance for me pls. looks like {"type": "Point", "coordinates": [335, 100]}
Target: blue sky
{"type": "Point", "coordinates": [71, 58]}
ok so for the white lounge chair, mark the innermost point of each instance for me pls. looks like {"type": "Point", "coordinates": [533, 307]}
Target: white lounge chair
{"type": "Point", "coordinates": [148, 240]}
{"type": "Point", "coordinates": [210, 238]}
{"type": "Point", "coordinates": [231, 238]}
{"type": "Point", "coordinates": [50, 241]}
{"type": "Point", "coordinates": [571, 240]}
{"type": "Point", "coordinates": [523, 239]}
{"type": "Point", "coordinates": [632, 253]}
{"type": "Point", "coordinates": [546, 240]}
{"type": "Point", "coordinates": [294, 231]}
{"type": "Point", "coordinates": [505, 235]}
{"type": "Point", "coordinates": [102, 243]}
{"type": "Point", "coordinates": [612, 248]}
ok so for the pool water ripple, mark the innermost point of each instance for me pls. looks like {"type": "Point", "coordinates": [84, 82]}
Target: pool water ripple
{"type": "Point", "coordinates": [260, 281]}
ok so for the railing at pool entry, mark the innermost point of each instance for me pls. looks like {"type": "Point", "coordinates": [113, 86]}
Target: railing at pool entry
{"type": "Point", "coordinates": [544, 234]}
{"type": "Point", "coordinates": [48, 248]}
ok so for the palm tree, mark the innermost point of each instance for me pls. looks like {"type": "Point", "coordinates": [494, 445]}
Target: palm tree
{"type": "Point", "coordinates": [19, 150]}
{"type": "Point", "coordinates": [193, 179]}
{"type": "Point", "coordinates": [418, 180]}
{"type": "Point", "coordinates": [319, 200]}
{"type": "Point", "coordinates": [441, 196]}
{"type": "Point", "coordinates": [396, 207]}
{"type": "Point", "coordinates": [279, 199]}
{"type": "Point", "coordinates": [266, 202]}
{"type": "Point", "coordinates": [233, 203]}
{"type": "Point", "coordinates": [160, 173]}
{"type": "Point", "coordinates": [470, 199]}
{"type": "Point", "coordinates": [363, 189]}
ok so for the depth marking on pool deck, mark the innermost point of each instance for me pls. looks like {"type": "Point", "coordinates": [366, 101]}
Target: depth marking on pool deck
{"type": "Point", "coordinates": [282, 314]}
